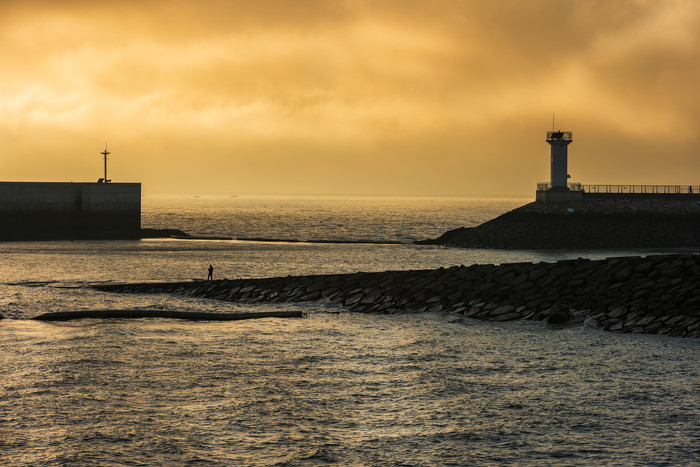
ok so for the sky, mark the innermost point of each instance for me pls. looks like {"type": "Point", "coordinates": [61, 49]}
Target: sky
{"type": "Point", "coordinates": [349, 97]}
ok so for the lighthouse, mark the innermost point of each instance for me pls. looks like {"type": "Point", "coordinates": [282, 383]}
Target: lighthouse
{"type": "Point", "coordinates": [558, 142]}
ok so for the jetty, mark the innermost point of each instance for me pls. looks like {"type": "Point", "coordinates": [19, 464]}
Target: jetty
{"type": "Point", "coordinates": [57, 210]}
{"type": "Point", "coordinates": [657, 294]}
{"type": "Point", "coordinates": [612, 223]}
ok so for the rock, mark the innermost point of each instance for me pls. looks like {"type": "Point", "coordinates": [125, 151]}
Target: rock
{"type": "Point", "coordinates": [617, 312]}
{"type": "Point", "coordinates": [507, 317]}
{"type": "Point", "coordinates": [538, 273]}
{"type": "Point", "coordinates": [472, 311]}
{"type": "Point", "coordinates": [645, 320]}
{"type": "Point", "coordinates": [558, 314]}
{"type": "Point", "coordinates": [590, 323]}
{"type": "Point", "coordinates": [502, 310]}
{"type": "Point", "coordinates": [353, 300]}
{"type": "Point", "coordinates": [311, 296]}
{"type": "Point", "coordinates": [622, 273]}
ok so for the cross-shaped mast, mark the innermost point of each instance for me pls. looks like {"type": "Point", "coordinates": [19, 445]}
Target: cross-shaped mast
{"type": "Point", "coordinates": [106, 153]}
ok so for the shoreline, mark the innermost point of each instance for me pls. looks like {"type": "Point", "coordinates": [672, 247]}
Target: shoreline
{"type": "Point", "coordinates": [657, 294]}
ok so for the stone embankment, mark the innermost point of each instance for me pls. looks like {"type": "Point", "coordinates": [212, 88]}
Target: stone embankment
{"type": "Point", "coordinates": [655, 294]}
{"type": "Point", "coordinates": [620, 223]}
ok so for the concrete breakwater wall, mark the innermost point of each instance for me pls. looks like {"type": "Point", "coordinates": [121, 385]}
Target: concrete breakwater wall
{"type": "Point", "coordinates": [617, 223]}
{"type": "Point", "coordinates": [47, 210]}
{"type": "Point", "coordinates": [656, 294]}
{"type": "Point", "coordinates": [619, 206]}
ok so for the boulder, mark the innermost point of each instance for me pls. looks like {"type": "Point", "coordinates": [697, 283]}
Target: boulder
{"type": "Point", "coordinates": [558, 314]}
{"type": "Point", "coordinates": [502, 310]}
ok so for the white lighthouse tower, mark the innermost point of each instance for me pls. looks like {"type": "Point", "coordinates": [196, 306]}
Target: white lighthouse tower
{"type": "Point", "coordinates": [559, 140]}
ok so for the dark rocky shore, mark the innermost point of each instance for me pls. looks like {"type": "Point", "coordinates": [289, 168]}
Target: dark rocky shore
{"type": "Point", "coordinates": [655, 294]}
{"type": "Point", "coordinates": [618, 223]}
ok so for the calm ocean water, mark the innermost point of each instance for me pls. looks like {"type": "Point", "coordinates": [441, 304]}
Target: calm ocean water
{"type": "Point", "coordinates": [347, 388]}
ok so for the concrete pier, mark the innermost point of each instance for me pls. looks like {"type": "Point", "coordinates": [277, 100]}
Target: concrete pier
{"type": "Point", "coordinates": [46, 210]}
{"type": "Point", "coordinates": [617, 222]}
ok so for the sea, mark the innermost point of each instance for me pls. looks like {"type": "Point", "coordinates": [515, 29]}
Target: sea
{"type": "Point", "coordinates": [333, 387]}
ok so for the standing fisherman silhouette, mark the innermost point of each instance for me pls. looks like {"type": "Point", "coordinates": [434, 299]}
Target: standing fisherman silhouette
{"type": "Point", "coordinates": [210, 277]}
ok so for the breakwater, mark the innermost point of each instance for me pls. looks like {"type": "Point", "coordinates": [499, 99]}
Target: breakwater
{"type": "Point", "coordinates": [657, 294]}
{"type": "Point", "coordinates": [52, 211]}
{"type": "Point", "coordinates": [609, 223]}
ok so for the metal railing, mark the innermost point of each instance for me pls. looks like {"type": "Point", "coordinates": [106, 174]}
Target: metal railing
{"type": "Point", "coordinates": [625, 189]}
{"type": "Point", "coordinates": [572, 186]}
{"type": "Point", "coordinates": [661, 189]}
{"type": "Point", "coordinates": [560, 135]}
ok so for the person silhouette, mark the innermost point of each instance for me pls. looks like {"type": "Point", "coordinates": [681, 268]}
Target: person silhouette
{"type": "Point", "coordinates": [210, 277]}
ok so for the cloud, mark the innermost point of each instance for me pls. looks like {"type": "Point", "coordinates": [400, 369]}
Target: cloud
{"type": "Point", "coordinates": [317, 87]}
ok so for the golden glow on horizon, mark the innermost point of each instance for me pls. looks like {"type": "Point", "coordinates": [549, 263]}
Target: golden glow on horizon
{"type": "Point", "coordinates": [394, 97]}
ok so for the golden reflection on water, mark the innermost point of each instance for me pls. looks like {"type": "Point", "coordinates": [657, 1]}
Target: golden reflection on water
{"type": "Point", "coordinates": [418, 388]}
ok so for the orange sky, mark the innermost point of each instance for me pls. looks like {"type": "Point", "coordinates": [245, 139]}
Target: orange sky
{"type": "Point", "coordinates": [433, 97]}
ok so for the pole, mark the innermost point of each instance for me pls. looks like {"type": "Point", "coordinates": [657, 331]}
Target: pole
{"type": "Point", "coordinates": [105, 153]}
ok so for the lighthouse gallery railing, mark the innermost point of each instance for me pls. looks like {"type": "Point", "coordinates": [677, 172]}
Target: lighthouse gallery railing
{"type": "Point", "coordinates": [669, 189]}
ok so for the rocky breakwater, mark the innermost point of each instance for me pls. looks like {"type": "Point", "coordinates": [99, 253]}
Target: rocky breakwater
{"type": "Point", "coordinates": [597, 223]}
{"type": "Point", "coordinates": [655, 294]}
